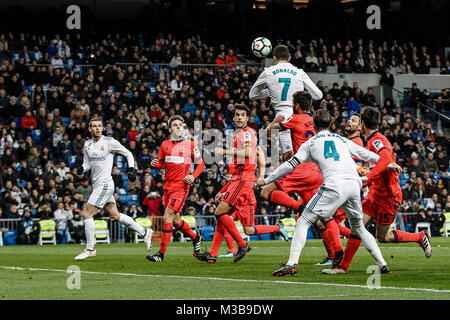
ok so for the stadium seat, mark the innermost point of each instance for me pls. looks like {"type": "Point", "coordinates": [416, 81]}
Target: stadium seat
{"type": "Point", "coordinates": [422, 225]}
{"type": "Point", "coordinates": [71, 161]}
{"type": "Point", "coordinates": [132, 199]}
{"type": "Point", "coordinates": [9, 238]}
{"type": "Point", "coordinates": [22, 184]}
{"type": "Point", "coordinates": [241, 230]}
{"type": "Point", "coordinates": [207, 231]}
{"type": "Point", "coordinates": [289, 225]}
{"type": "Point", "coordinates": [145, 223]}
{"type": "Point", "coordinates": [66, 121]}
{"type": "Point", "coordinates": [125, 181]}
{"type": "Point", "coordinates": [123, 197]}
{"type": "Point", "coordinates": [36, 135]}
{"type": "Point", "coordinates": [47, 233]}
{"type": "Point", "coordinates": [101, 231]}
{"type": "Point", "coordinates": [190, 220]}
{"type": "Point", "coordinates": [17, 121]}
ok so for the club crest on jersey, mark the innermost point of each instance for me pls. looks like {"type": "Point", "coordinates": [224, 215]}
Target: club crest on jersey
{"type": "Point", "coordinates": [288, 119]}
{"type": "Point", "coordinates": [196, 152]}
{"type": "Point", "coordinates": [102, 148]}
{"type": "Point", "coordinates": [247, 136]}
{"type": "Point", "coordinates": [378, 144]}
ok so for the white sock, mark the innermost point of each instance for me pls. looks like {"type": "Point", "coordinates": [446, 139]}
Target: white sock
{"type": "Point", "coordinates": [298, 240]}
{"type": "Point", "coordinates": [89, 229]}
{"type": "Point", "coordinates": [369, 242]}
{"type": "Point", "coordinates": [130, 223]}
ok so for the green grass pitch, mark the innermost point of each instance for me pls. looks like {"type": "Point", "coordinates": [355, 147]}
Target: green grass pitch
{"type": "Point", "coordinates": [121, 271]}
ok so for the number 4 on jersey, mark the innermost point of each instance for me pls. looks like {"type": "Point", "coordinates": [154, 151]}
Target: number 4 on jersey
{"type": "Point", "coordinates": [287, 83]}
{"type": "Point", "coordinates": [330, 150]}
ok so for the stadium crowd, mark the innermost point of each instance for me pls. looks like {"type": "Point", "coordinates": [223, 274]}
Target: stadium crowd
{"type": "Point", "coordinates": [44, 112]}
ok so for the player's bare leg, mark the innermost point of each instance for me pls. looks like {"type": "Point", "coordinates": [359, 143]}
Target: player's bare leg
{"type": "Point", "coordinates": [89, 227]}
{"type": "Point", "coordinates": [422, 238]}
{"type": "Point", "coordinates": [166, 235]}
{"type": "Point", "coordinates": [115, 215]}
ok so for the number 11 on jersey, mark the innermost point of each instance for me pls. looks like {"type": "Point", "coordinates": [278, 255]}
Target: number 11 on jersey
{"type": "Point", "coordinates": [330, 150]}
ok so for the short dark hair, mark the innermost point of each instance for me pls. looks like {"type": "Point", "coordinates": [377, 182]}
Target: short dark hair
{"type": "Point", "coordinates": [175, 117]}
{"type": "Point", "coordinates": [241, 106]}
{"type": "Point", "coordinates": [322, 119]}
{"type": "Point", "coordinates": [281, 52]}
{"type": "Point", "coordinates": [94, 119]}
{"type": "Point", "coordinates": [371, 118]}
{"type": "Point", "coordinates": [303, 99]}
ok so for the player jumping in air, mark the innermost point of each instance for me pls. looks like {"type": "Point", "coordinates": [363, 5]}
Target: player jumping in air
{"type": "Point", "coordinates": [306, 178]}
{"type": "Point", "coordinates": [238, 196]}
{"type": "Point", "coordinates": [279, 82]}
{"type": "Point", "coordinates": [384, 197]}
{"type": "Point", "coordinates": [98, 157]}
{"type": "Point", "coordinates": [177, 154]}
{"type": "Point", "coordinates": [341, 188]}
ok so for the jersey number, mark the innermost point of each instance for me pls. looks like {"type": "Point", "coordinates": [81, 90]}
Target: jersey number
{"type": "Point", "coordinates": [287, 83]}
{"type": "Point", "coordinates": [330, 151]}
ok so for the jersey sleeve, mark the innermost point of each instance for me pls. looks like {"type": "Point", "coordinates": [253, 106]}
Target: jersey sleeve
{"type": "Point", "coordinates": [376, 146]}
{"type": "Point", "coordinates": [315, 92]}
{"type": "Point", "coordinates": [257, 91]}
{"type": "Point", "coordinates": [289, 123]}
{"type": "Point", "coordinates": [197, 157]}
{"type": "Point", "coordinates": [303, 154]}
{"type": "Point", "coordinates": [362, 153]}
{"type": "Point", "coordinates": [116, 147]}
{"type": "Point", "coordinates": [86, 164]}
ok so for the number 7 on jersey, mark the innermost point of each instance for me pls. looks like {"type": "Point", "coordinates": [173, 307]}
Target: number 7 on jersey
{"type": "Point", "coordinates": [287, 83]}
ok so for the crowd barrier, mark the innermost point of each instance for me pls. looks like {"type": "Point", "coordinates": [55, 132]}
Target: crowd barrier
{"type": "Point", "coordinates": [117, 232]}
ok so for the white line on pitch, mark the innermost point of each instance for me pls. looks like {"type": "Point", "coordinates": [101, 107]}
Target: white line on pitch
{"type": "Point", "coordinates": [228, 279]}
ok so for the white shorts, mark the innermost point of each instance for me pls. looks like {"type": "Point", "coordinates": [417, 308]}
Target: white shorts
{"type": "Point", "coordinates": [102, 194]}
{"type": "Point", "coordinates": [285, 135]}
{"type": "Point", "coordinates": [285, 141]}
{"type": "Point", "coordinates": [329, 198]}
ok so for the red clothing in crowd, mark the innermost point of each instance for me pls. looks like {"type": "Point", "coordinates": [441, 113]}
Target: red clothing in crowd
{"type": "Point", "coordinates": [28, 122]}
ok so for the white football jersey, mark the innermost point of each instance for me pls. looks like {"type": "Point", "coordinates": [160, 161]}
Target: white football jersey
{"type": "Point", "coordinates": [333, 154]}
{"type": "Point", "coordinates": [280, 82]}
{"type": "Point", "coordinates": [99, 158]}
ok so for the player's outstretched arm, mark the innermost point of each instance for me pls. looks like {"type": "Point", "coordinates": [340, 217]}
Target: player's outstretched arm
{"type": "Point", "coordinates": [261, 162]}
{"type": "Point", "coordinates": [302, 155]}
{"type": "Point", "coordinates": [117, 147]}
{"type": "Point", "coordinates": [362, 153]}
{"type": "Point", "coordinates": [257, 91]}
{"type": "Point", "coordinates": [315, 92]}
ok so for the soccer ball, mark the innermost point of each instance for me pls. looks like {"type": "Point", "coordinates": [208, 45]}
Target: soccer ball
{"type": "Point", "coordinates": [261, 47]}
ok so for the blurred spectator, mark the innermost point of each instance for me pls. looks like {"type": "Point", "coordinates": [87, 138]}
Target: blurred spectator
{"type": "Point", "coordinates": [76, 228]}
{"type": "Point", "coordinates": [27, 230]}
